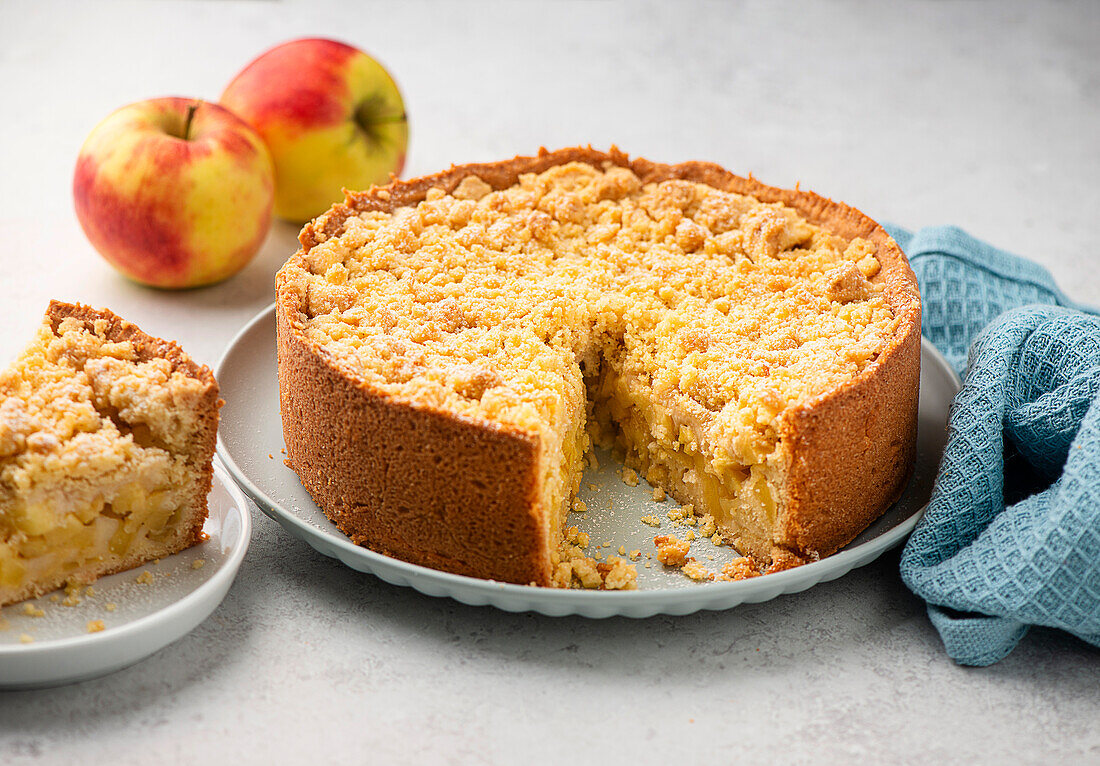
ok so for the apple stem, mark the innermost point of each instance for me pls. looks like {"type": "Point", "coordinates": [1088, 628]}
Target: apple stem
{"type": "Point", "coordinates": [187, 122]}
{"type": "Point", "coordinates": [369, 115]}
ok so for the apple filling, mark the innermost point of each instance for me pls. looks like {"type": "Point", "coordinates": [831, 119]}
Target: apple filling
{"type": "Point", "coordinates": [98, 468]}
{"type": "Point", "coordinates": [668, 447]}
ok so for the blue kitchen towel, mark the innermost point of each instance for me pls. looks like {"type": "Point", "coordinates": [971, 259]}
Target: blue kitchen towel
{"type": "Point", "coordinates": [1011, 536]}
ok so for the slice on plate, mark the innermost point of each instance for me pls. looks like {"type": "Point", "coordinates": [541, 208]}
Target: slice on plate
{"type": "Point", "coordinates": [106, 441]}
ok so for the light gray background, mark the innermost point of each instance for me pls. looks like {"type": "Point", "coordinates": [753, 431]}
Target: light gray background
{"type": "Point", "coordinates": [981, 114]}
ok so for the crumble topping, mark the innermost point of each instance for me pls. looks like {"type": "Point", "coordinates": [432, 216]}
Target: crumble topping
{"type": "Point", "coordinates": [475, 300]}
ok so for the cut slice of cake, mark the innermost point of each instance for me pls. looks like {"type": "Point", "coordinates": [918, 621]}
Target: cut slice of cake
{"type": "Point", "coordinates": [106, 441]}
{"type": "Point", "coordinates": [450, 346]}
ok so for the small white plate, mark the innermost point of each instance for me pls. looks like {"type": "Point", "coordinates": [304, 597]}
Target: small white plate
{"type": "Point", "coordinates": [250, 442]}
{"type": "Point", "coordinates": [146, 617]}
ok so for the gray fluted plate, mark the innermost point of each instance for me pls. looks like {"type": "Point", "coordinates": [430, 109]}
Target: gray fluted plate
{"type": "Point", "coordinates": [144, 618]}
{"type": "Point", "coordinates": [250, 442]}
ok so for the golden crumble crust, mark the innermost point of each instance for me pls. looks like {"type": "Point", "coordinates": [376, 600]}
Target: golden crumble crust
{"type": "Point", "coordinates": [442, 341]}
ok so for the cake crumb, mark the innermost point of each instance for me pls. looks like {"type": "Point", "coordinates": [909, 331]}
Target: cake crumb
{"type": "Point", "coordinates": [574, 536]}
{"type": "Point", "coordinates": [630, 477]}
{"type": "Point", "coordinates": [55, 598]}
{"type": "Point", "coordinates": [716, 538]}
{"type": "Point", "coordinates": [26, 638]}
{"type": "Point", "coordinates": [198, 563]}
{"type": "Point", "coordinates": [689, 535]}
{"type": "Point", "coordinates": [676, 514]}
{"type": "Point", "coordinates": [578, 570]}
{"type": "Point", "coordinates": [579, 506]}
{"type": "Point", "coordinates": [651, 520]}
{"type": "Point", "coordinates": [696, 571]}
{"type": "Point", "coordinates": [671, 551]}
{"type": "Point", "coordinates": [30, 610]}
{"type": "Point", "coordinates": [73, 591]}
{"type": "Point", "coordinates": [635, 554]}
{"type": "Point", "coordinates": [593, 487]}
{"type": "Point", "coordinates": [708, 526]}
{"type": "Point", "coordinates": [622, 550]}
{"type": "Point", "coordinates": [739, 569]}
{"type": "Point", "coordinates": [95, 626]}
{"type": "Point", "coordinates": [618, 575]}
{"type": "Point", "coordinates": [659, 495]}
{"type": "Point", "coordinates": [145, 578]}
{"type": "Point", "coordinates": [110, 606]}
{"type": "Point", "coordinates": [89, 592]}
{"type": "Point", "coordinates": [585, 571]}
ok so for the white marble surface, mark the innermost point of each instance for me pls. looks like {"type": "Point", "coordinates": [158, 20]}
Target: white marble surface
{"type": "Point", "coordinates": [981, 114]}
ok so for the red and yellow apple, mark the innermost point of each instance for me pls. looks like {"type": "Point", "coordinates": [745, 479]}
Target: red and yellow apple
{"type": "Point", "coordinates": [332, 117]}
{"type": "Point", "coordinates": [174, 192]}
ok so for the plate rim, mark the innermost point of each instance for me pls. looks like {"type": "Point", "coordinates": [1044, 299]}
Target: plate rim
{"type": "Point", "coordinates": [560, 596]}
{"type": "Point", "coordinates": [192, 600]}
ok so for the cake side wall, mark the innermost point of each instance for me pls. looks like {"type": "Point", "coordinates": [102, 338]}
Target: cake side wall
{"type": "Point", "coordinates": [419, 485]}
{"type": "Point", "coordinates": [851, 455]}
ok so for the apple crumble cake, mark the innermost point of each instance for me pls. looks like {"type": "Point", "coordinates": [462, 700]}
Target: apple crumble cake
{"type": "Point", "coordinates": [106, 441]}
{"type": "Point", "coordinates": [449, 347]}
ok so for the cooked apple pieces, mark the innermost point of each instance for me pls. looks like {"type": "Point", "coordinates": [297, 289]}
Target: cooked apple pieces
{"type": "Point", "coordinates": [106, 441]}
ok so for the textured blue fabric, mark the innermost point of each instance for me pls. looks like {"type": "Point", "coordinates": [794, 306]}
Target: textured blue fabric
{"type": "Point", "coordinates": [1011, 536]}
